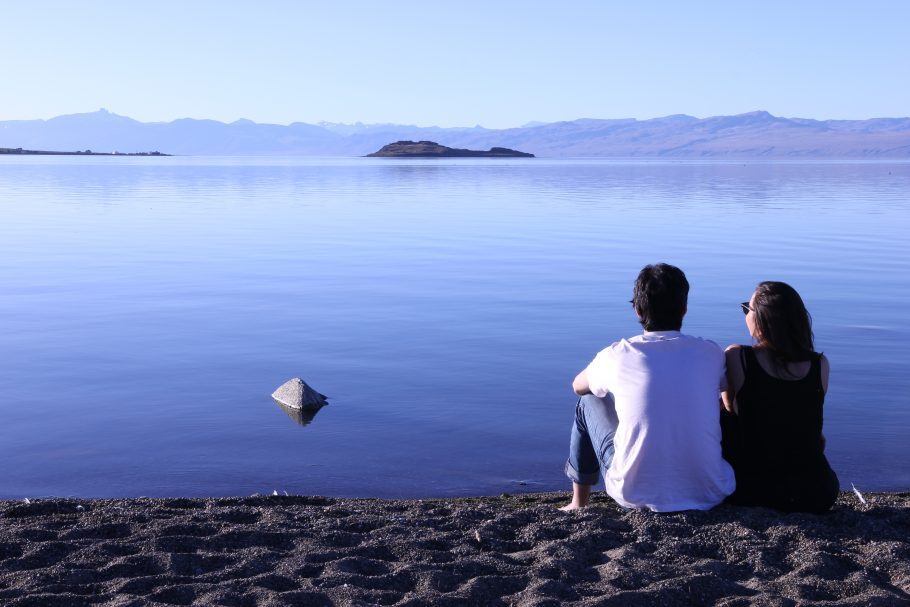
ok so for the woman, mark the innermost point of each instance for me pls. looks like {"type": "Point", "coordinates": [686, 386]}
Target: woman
{"type": "Point", "coordinates": [772, 423]}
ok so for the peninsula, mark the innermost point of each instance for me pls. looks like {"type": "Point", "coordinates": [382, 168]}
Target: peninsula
{"type": "Point", "coordinates": [431, 149]}
{"type": "Point", "coordinates": [85, 153]}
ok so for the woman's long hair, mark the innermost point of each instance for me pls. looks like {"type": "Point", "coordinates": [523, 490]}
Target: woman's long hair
{"type": "Point", "coordinates": [783, 322]}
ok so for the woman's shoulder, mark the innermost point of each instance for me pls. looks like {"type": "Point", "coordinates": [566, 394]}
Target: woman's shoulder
{"type": "Point", "coordinates": [824, 370]}
{"type": "Point", "coordinates": [822, 361]}
{"type": "Point", "coordinates": [734, 358]}
{"type": "Point", "coordinates": [736, 350]}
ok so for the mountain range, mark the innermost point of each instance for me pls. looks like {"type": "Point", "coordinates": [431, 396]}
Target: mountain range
{"type": "Point", "coordinates": [755, 134]}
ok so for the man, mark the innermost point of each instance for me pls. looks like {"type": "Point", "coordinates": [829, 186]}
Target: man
{"type": "Point", "coordinates": [648, 415]}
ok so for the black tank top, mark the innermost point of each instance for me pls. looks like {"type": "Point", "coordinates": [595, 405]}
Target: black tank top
{"type": "Point", "coordinates": [776, 443]}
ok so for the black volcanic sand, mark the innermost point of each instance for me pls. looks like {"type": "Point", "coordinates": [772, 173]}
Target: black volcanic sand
{"type": "Point", "coordinates": [509, 550]}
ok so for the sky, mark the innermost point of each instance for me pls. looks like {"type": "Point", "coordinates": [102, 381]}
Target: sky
{"type": "Point", "coordinates": [495, 63]}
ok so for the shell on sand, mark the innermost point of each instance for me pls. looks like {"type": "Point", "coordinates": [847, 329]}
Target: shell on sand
{"type": "Point", "coordinates": [296, 394]}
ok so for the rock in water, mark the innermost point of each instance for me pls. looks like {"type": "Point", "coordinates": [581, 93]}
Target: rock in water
{"type": "Point", "coordinates": [295, 393]}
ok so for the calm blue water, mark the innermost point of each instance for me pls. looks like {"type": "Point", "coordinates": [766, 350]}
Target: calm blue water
{"type": "Point", "coordinates": [149, 307]}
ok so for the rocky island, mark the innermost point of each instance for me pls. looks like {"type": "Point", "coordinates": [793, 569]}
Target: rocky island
{"type": "Point", "coordinates": [431, 149]}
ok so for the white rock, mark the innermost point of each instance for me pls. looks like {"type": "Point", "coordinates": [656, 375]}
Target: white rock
{"type": "Point", "coordinates": [296, 394]}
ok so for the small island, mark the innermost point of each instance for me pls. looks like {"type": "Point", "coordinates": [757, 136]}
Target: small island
{"type": "Point", "coordinates": [431, 149]}
{"type": "Point", "coordinates": [85, 153]}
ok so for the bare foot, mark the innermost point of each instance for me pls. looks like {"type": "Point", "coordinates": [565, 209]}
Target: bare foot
{"type": "Point", "coordinates": [580, 496]}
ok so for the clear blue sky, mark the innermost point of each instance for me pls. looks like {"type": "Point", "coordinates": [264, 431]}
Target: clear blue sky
{"type": "Point", "coordinates": [461, 63]}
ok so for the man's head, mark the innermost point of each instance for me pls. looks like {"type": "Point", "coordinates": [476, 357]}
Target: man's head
{"type": "Point", "coordinates": [660, 297]}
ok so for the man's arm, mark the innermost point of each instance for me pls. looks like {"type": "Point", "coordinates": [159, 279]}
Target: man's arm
{"type": "Point", "coordinates": [580, 383]}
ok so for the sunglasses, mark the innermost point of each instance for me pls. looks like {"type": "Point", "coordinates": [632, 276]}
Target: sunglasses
{"type": "Point", "coordinates": [745, 306]}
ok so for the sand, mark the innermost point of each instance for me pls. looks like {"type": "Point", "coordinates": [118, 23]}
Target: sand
{"type": "Point", "coordinates": [508, 550]}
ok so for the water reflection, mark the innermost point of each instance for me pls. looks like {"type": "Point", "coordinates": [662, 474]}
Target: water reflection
{"type": "Point", "coordinates": [301, 416]}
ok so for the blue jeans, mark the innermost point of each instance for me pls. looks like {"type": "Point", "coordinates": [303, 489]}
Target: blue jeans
{"type": "Point", "coordinates": [591, 443]}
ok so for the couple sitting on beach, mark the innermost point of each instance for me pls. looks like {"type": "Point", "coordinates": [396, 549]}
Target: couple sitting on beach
{"type": "Point", "coordinates": [674, 423]}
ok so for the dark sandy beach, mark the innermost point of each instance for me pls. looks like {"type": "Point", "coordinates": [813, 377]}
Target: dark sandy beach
{"type": "Point", "coordinates": [509, 550]}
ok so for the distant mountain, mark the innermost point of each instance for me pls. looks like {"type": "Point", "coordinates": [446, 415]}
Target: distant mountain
{"type": "Point", "coordinates": [104, 131]}
{"type": "Point", "coordinates": [756, 134]}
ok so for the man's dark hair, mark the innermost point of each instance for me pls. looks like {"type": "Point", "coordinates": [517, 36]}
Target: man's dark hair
{"type": "Point", "coordinates": [660, 297]}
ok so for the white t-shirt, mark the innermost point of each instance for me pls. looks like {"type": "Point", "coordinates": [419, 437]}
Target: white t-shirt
{"type": "Point", "coordinates": [667, 446]}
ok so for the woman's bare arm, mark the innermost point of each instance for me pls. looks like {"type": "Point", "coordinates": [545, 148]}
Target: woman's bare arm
{"type": "Point", "coordinates": [826, 370]}
{"type": "Point", "coordinates": [735, 377]}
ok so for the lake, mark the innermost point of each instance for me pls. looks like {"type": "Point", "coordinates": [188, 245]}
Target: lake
{"type": "Point", "coordinates": [150, 306]}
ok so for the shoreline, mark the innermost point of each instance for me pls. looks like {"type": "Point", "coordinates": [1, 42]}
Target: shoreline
{"type": "Point", "coordinates": [512, 549]}
{"type": "Point", "coordinates": [21, 152]}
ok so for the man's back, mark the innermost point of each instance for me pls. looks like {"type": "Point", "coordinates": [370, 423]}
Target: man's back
{"type": "Point", "coordinates": [665, 387]}
{"type": "Point", "coordinates": [649, 414]}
